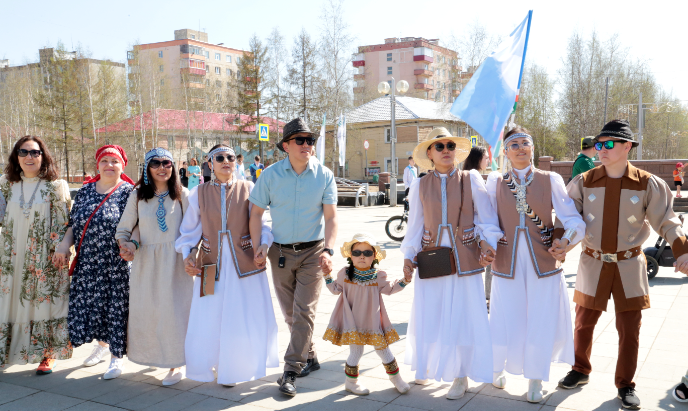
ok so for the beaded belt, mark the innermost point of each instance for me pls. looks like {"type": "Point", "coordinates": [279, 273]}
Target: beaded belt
{"type": "Point", "coordinates": [612, 257]}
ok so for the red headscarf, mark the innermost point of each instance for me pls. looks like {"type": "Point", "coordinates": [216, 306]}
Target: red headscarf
{"type": "Point", "coordinates": [113, 151]}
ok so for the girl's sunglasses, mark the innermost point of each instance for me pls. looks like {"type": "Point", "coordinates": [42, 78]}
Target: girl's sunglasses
{"type": "Point", "coordinates": [366, 253]}
{"type": "Point", "coordinates": [516, 146]}
{"type": "Point", "coordinates": [221, 159]}
{"type": "Point", "coordinates": [609, 144]}
{"type": "Point", "coordinates": [157, 163]}
{"type": "Point", "coordinates": [300, 140]}
{"type": "Point", "coordinates": [34, 153]}
{"type": "Point", "coordinates": [451, 146]}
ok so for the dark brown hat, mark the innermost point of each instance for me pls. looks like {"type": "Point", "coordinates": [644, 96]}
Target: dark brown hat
{"type": "Point", "coordinates": [619, 129]}
{"type": "Point", "coordinates": [295, 126]}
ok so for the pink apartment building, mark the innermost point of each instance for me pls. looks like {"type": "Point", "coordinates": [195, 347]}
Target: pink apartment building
{"type": "Point", "coordinates": [432, 71]}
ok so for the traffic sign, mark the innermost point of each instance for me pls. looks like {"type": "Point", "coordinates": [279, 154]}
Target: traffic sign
{"type": "Point", "coordinates": [366, 145]}
{"type": "Point", "coordinates": [474, 141]}
{"type": "Point", "coordinates": [263, 134]}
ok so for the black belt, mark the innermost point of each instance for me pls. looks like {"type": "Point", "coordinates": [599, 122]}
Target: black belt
{"type": "Point", "coordinates": [299, 246]}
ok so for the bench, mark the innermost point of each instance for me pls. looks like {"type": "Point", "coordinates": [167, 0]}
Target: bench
{"type": "Point", "coordinates": [351, 189]}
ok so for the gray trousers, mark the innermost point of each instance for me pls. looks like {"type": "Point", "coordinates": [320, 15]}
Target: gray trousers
{"type": "Point", "coordinates": [298, 287]}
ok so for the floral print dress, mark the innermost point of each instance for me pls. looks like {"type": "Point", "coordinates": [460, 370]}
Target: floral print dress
{"type": "Point", "coordinates": [33, 293]}
{"type": "Point", "coordinates": [99, 295]}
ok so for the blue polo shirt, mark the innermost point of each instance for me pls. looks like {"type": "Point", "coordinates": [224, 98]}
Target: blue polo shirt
{"type": "Point", "coordinates": [296, 201]}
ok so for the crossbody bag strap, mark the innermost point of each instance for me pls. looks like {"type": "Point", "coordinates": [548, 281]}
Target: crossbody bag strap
{"type": "Point", "coordinates": [83, 234]}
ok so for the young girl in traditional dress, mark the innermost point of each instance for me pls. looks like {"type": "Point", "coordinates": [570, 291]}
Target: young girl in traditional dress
{"type": "Point", "coordinates": [359, 317]}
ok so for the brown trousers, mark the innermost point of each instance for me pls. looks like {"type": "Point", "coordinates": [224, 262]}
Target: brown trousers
{"type": "Point", "coordinates": [627, 325]}
{"type": "Point", "coordinates": [298, 287]}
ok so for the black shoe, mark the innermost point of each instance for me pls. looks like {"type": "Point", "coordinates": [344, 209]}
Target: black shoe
{"type": "Point", "coordinates": [573, 379]}
{"type": "Point", "coordinates": [287, 383]}
{"type": "Point", "coordinates": [629, 400]}
{"type": "Point", "coordinates": [311, 365]}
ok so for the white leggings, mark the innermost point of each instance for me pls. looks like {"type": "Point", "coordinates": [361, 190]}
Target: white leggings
{"type": "Point", "coordinates": [356, 352]}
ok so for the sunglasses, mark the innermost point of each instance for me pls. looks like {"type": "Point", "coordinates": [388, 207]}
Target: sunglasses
{"type": "Point", "coordinates": [34, 153]}
{"type": "Point", "coordinates": [221, 159]}
{"type": "Point", "coordinates": [157, 163]}
{"type": "Point", "coordinates": [366, 253]}
{"type": "Point", "coordinates": [609, 144]}
{"type": "Point", "coordinates": [451, 146]}
{"type": "Point", "coordinates": [300, 140]}
{"type": "Point", "coordinates": [516, 146]}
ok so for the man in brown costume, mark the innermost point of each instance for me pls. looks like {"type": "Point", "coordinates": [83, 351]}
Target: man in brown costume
{"type": "Point", "coordinates": [615, 199]}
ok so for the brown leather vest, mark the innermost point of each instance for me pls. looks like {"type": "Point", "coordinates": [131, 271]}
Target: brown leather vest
{"type": "Point", "coordinates": [539, 198]}
{"type": "Point", "coordinates": [231, 221]}
{"type": "Point", "coordinates": [459, 217]}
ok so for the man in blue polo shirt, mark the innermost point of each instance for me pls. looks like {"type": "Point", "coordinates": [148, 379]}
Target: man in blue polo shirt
{"type": "Point", "coordinates": [302, 196]}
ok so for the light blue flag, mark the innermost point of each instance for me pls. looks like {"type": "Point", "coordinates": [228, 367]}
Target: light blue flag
{"type": "Point", "coordinates": [490, 96]}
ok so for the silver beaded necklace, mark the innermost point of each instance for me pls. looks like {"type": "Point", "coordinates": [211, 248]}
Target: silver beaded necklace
{"type": "Point", "coordinates": [26, 208]}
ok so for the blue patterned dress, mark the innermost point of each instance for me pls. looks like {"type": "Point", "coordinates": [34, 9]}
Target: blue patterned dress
{"type": "Point", "coordinates": [99, 294]}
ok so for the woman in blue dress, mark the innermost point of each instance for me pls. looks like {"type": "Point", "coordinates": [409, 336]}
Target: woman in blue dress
{"type": "Point", "coordinates": [194, 174]}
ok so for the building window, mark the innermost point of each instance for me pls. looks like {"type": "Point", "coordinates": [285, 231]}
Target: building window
{"type": "Point", "coordinates": [229, 84]}
{"type": "Point", "coordinates": [207, 54]}
{"type": "Point", "coordinates": [207, 69]}
{"type": "Point", "coordinates": [193, 37]}
{"type": "Point", "coordinates": [218, 57]}
{"type": "Point", "coordinates": [218, 83]}
{"type": "Point", "coordinates": [160, 54]}
{"type": "Point", "coordinates": [229, 72]}
{"type": "Point", "coordinates": [229, 58]}
{"type": "Point", "coordinates": [388, 135]}
{"type": "Point", "coordinates": [162, 68]}
{"type": "Point", "coordinates": [238, 75]}
{"type": "Point", "coordinates": [207, 82]}
{"type": "Point", "coordinates": [217, 97]}
{"type": "Point", "coordinates": [389, 71]}
{"type": "Point", "coordinates": [217, 70]}
{"type": "Point", "coordinates": [389, 56]}
{"type": "Point", "coordinates": [162, 82]}
{"type": "Point", "coordinates": [238, 60]}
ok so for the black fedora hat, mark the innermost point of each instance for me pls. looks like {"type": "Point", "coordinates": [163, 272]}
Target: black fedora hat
{"type": "Point", "coordinates": [619, 129]}
{"type": "Point", "coordinates": [297, 125]}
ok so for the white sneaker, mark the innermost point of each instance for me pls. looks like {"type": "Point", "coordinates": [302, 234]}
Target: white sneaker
{"type": "Point", "coordinates": [499, 380]}
{"type": "Point", "coordinates": [422, 382]}
{"type": "Point", "coordinates": [458, 388]}
{"type": "Point", "coordinates": [534, 391]}
{"type": "Point", "coordinates": [173, 376]}
{"type": "Point", "coordinates": [399, 384]}
{"type": "Point", "coordinates": [115, 369]}
{"type": "Point", "coordinates": [352, 385]}
{"type": "Point", "coordinates": [96, 356]}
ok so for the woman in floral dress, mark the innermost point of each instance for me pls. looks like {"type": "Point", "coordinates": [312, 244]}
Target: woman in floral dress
{"type": "Point", "coordinates": [33, 292]}
{"type": "Point", "coordinates": [99, 294]}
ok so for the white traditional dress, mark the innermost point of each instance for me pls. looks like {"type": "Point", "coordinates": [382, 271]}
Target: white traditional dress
{"type": "Point", "coordinates": [233, 331]}
{"type": "Point", "coordinates": [530, 317]}
{"type": "Point", "coordinates": [449, 334]}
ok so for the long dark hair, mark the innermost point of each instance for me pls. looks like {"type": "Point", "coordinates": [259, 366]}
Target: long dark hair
{"type": "Point", "coordinates": [474, 158]}
{"type": "Point", "coordinates": [147, 191]}
{"type": "Point", "coordinates": [48, 170]}
{"type": "Point", "coordinates": [351, 267]}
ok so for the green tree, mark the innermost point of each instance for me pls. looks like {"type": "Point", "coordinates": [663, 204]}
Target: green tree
{"type": "Point", "coordinates": [252, 85]}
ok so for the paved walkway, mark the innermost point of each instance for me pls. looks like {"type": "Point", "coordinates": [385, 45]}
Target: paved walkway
{"type": "Point", "coordinates": [663, 360]}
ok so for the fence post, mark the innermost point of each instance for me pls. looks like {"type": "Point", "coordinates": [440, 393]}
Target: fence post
{"type": "Point", "coordinates": [545, 163]}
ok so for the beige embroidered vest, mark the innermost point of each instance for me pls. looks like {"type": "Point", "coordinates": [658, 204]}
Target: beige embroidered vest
{"type": "Point", "coordinates": [224, 212]}
{"type": "Point", "coordinates": [453, 188]}
{"type": "Point", "coordinates": [516, 216]}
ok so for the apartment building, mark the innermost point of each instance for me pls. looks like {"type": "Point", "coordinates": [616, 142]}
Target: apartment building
{"type": "Point", "coordinates": [188, 66]}
{"type": "Point", "coordinates": [432, 71]}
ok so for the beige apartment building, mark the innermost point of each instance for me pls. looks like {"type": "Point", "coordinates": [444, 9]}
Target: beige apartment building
{"type": "Point", "coordinates": [432, 71]}
{"type": "Point", "coordinates": [187, 69]}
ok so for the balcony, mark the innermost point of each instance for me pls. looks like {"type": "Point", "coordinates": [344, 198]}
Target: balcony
{"type": "Point", "coordinates": [358, 90]}
{"type": "Point", "coordinates": [195, 85]}
{"type": "Point", "coordinates": [422, 72]}
{"type": "Point", "coordinates": [359, 76]}
{"type": "Point", "coordinates": [359, 63]}
{"type": "Point", "coordinates": [193, 71]}
{"type": "Point", "coordinates": [423, 58]}
{"type": "Point", "coordinates": [423, 86]}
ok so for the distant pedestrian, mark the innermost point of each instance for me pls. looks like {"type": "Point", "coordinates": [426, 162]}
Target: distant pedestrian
{"type": "Point", "coordinates": [257, 165]}
{"type": "Point", "coordinates": [207, 172]}
{"type": "Point", "coordinates": [182, 175]}
{"type": "Point", "coordinates": [240, 167]}
{"type": "Point", "coordinates": [410, 174]}
{"type": "Point", "coordinates": [194, 173]}
{"type": "Point", "coordinates": [678, 179]}
{"type": "Point", "coordinates": [584, 161]}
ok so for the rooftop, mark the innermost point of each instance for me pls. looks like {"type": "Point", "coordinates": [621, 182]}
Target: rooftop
{"type": "Point", "coordinates": [407, 108]}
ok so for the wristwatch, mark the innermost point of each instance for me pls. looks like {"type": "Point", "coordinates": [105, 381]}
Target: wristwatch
{"type": "Point", "coordinates": [329, 251]}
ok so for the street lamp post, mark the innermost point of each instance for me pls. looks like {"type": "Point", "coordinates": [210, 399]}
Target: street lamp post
{"type": "Point", "coordinates": [384, 88]}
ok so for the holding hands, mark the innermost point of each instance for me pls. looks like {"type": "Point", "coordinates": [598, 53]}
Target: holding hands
{"type": "Point", "coordinates": [409, 266]}
{"type": "Point", "coordinates": [127, 249]}
{"type": "Point", "coordinates": [487, 255]}
{"type": "Point", "coordinates": [190, 265]}
{"type": "Point", "coordinates": [558, 249]}
{"type": "Point", "coordinates": [260, 256]}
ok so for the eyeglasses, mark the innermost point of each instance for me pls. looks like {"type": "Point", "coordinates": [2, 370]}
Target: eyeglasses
{"type": "Point", "coordinates": [451, 146]}
{"type": "Point", "coordinates": [609, 144]}
{"type": "Point", "coordinates": [516, 146]}
{"type": "Point", "coordinates": [157, 163]}
{"type": "Point", "coordinates": [366, 253]}
{"type": "Point", "coordinates": [221, 159]}
{"type": "Point", "coordinates": [300, 140]}
{"type": "Point", "coordinates": [34, 153]}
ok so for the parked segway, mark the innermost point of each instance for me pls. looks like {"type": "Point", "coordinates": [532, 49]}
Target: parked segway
{"type": "Point", "coordinates": [660, 255]}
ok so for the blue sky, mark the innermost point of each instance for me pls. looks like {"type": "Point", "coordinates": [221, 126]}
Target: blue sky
{"type": "Point", "coordinates": [654, 31]}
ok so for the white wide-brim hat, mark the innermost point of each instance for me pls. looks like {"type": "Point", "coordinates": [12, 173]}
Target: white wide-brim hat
{"type": "Point", "coordinates": [380, 254]}
{"type": "Point", "coordinates": [420, 153]}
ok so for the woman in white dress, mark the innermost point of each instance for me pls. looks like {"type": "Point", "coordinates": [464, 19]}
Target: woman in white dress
{"type": "Point", "coordinates": [449, 336]}
{"type": "Point", "coordinates": [232, 328]}
{"type": "Point", "coordinates": [530, 316]}
{"type": "Point", "coordinates": [160, 292]}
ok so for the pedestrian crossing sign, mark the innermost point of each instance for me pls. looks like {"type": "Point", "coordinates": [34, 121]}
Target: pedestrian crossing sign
{"type": "Point", "coordinates": [474, 141]}
{"type": "Point", "coordinates": [263, 132]}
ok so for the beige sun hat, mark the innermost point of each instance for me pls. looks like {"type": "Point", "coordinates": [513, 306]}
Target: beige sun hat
{"type": "Point", "coordinates": [380, 254]}
{"type": "Point", "coordinates": [420, 153]}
